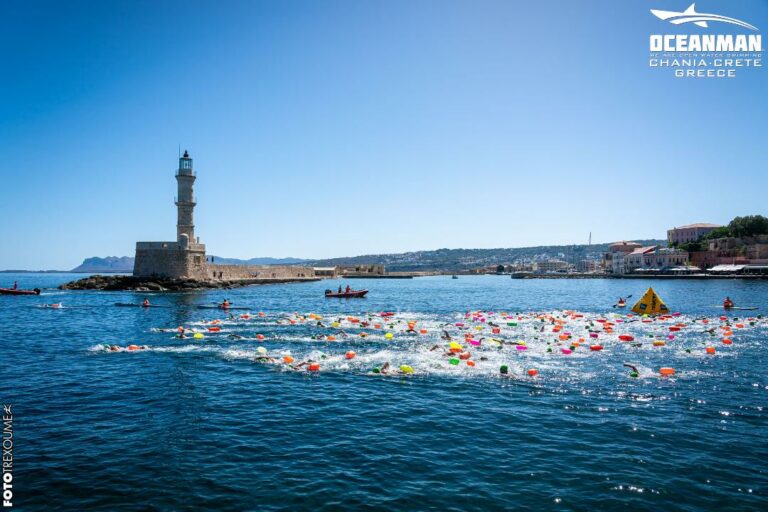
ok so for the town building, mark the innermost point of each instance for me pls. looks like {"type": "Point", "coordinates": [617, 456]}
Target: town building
{"type": "Point", "coordinates": [543, 267]}
{"type": "Point", "coordinates": [689, 233]}
{"type": "Point", "coordinates": [185, 257]}
{"type": "Point", "coordinates": [613, 260]}
{"type": "Point", "coordinates": [654, 258]}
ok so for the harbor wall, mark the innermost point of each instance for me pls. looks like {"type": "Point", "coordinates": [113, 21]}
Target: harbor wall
{"type": "Point", "coordinates": [237, 272]}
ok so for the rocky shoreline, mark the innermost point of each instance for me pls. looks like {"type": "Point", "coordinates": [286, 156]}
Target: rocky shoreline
{"type": "Point", "coordinates": [144, 284]}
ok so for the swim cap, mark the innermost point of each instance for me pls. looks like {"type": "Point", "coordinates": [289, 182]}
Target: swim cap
{"type": "Point", "coordinates": [376, 370]}
{"type": "Point", "coordinates": [504, 369]}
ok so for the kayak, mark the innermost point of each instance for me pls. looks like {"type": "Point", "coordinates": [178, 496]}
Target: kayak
{"type": "Point", "coordinates": [130, 305]}
{"type": "Point", "coordinates": [204, 306]}
{"type": "Point", "coordinates": [621, 304]}
{"type": "Point", "coordinates": [737, 308]}
{"type": "Point", "coordinates": [347, 295]}
{"type": "Point", "coordinates": [12, 291]}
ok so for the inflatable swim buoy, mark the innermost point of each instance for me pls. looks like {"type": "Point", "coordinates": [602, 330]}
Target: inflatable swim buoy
{"type": "Point", "coordinates": [667, 371]}
{"type": "Point", "coordinates": [595, 347]}
{"type": "Point", "coordinates": [314, 367]}
{"type": "Point", "coordinates": [288, 359]}
{"type": "Point", "coordinates": [626, 337]}
{"type": "Point", "coordinates": [533, 372]}
{"type": "Point", "coordinates": [350, 355]}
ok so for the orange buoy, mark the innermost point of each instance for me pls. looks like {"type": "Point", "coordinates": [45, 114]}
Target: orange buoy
{"type": "Point", "coordinates": [261, 313]}
{"type": "Point", "coordinates": [710, 350]}
{"type": "Point", "coordinates": [659, 343]}
{"type": "Point", "coordinates": [667, 371]}
{"type": "Point", "coordinates": [423, 331]}
{"type": "Point", "coordinates": [214, 329]}
{"type": "Point", "coordinates": [595, 347]}
{"type": "Point", "coordinates": [563, 337]}
{"type": "Point", "coordinates": [350, 354]}
{"type": "Point", "coordinates": [314, 367]}
{"type": "Point", "coordinates": [288, 359]}
{"type": "Point", "coordinates": [533, 372]}
{"type": "Point", "coordinates": [377, 326]}
{"type": "Point", "coordinates": [496, 330]}
{"type": "Point", "coordinates": [331, 338]}
{"type": "Point", "coordinates": [626, 337]}
{"type": "Point", "coordinates": [133, 347]}
{"type": "Point", "coordinates": [470, 363]}
{"type": "Point", "coordinates": [259, 336]}
{"type": "Point", "coordinates": [727, 341]}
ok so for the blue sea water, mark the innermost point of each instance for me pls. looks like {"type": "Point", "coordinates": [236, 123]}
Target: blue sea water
{"type": "Point", "coordinates": [193, 424]}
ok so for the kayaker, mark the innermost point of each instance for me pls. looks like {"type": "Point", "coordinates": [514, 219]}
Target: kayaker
{"type": "Point", "coordinates": [728, 303]}
{"type": "Point", "coordinates": [225, 304]}
{"type": "Point", "coordinates": [15, 285]}
{"type": "Point", "coordinates": [348, 289]}
{"type": "Point", "coordinates": [145, 303]}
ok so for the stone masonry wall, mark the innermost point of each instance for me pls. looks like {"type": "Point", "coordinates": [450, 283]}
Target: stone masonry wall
{"type": "Point", "coordinates": [235, 272]}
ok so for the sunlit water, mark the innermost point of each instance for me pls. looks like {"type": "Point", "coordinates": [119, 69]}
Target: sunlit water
{"type": "Point", "coordinates": [198, 423]}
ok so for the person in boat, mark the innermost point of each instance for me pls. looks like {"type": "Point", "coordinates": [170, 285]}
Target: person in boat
{"type": "Point", "coordinates": [145, 303]}
{"type": "Point", "coordinates": [15, 285]}
{"type": "Point", "coordinates": [728, 303]}
{"type": "Point", "coordinates": [621, 301]}
{"type": "Point", "coordinates": [225, 304]}
{"type": "Point", "coordinates": [348, 289]}
{"type": "Point", "coordinates": [339, 288]}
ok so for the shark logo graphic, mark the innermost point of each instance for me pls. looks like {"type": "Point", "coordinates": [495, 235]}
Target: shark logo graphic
{"type": "Point", "coordinates": [697, 18]}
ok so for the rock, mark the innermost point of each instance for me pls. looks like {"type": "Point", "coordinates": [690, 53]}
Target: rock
{"type": "Point", "coordinates": [140, 284]}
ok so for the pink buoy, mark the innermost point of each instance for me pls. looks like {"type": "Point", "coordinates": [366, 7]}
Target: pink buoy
{"type": "Point", "coordinates": [474, 342]}
{"type": "Point", "coordinates": [522, 347]}
{"type": "Point", "coordinates": [670, 336]}
{"type": "Point", "coordinates": [565, 351]}
{"type": "Point", "coordinates": [593, 335]}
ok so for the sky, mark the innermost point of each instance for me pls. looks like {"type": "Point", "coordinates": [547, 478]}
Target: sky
{"type": "Point", "coordinates": [337, 128]}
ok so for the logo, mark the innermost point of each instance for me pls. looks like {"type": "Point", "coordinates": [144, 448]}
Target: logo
{"type": "Point", "coordinates": [714, 55]}
{"type": "Point", "coordinates": [697, 18]}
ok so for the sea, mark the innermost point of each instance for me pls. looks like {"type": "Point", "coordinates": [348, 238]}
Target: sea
{"type": "Point", "coordinates": [294, 401]}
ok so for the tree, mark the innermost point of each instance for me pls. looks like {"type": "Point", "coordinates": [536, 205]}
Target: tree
{"type": "Point", "coordinates": [751, 225]}
{"type": "Point", "coordinates": [721, 232]}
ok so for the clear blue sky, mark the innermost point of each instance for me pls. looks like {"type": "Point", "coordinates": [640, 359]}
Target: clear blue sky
{"type": "Point", "coordinates": [325, 129]}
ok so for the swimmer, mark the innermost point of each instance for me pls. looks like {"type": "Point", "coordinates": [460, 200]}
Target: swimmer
{"type": "Point", "coordinates": [146, 303]}
{"type": "Point", "coordinates": [265, 359]}
{"type": "Point", "coordinates": [504, 372]}
{"type": "Point", "coordinates": [320, 324]}
{"type": "Point", "coordinates": [632, 367]}
{"type": "Point", "coordinates": [445, 336]}
{"type": "Point", "coordinates": [235, 337]}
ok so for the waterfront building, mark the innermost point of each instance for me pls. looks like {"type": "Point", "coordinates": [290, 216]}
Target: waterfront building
{"type": "Point", "coordinates": [614, 258]}
{"type": "Point", "coordinates": [654, 258]}
{"type": "Point", "coordinates": [542, 267]}
{"type": "Point", "coordinates": [689, 233]}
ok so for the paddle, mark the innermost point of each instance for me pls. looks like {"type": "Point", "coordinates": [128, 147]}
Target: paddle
{"type": "Point", "coordinates": [628, 297]}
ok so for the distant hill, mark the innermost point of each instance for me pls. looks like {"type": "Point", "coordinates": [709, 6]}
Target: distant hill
{"type": "Point", "coordinates": [465, 259]}
{"type": "Point", "coordinates": [108, 264]}
{"type": "Point", "coordinates": [125, 263]}
{"type": "Point", "coordinates": [440, 259]}
{"type": "Point", "coordinates": [259, 261]}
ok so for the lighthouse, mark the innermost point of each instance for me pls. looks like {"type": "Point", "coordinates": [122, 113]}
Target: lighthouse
{"type": "Point", "coordinates": [185, 201]}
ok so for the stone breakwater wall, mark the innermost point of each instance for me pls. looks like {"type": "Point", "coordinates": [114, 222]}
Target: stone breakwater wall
{"type": "Point", "coordinates": [144, 284]}
{"type": "Point", "coordinates": [237, 272]}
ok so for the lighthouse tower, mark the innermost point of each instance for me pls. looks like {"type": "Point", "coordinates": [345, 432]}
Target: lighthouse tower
{"type": "Point", "coordinates": [183, 258]}
{"type": "Point", "coordinates": [185, 202]}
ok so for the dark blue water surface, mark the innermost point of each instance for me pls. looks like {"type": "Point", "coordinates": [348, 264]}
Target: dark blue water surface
{"type": "Point", "coordinates": [197, 424]}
